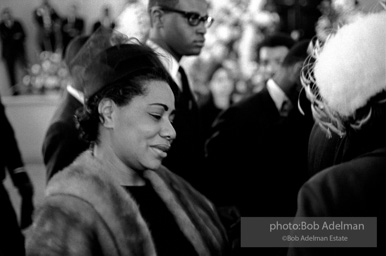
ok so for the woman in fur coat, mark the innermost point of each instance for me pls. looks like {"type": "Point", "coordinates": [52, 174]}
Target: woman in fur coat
{"type": "Point", "coordinates": [117, 198]}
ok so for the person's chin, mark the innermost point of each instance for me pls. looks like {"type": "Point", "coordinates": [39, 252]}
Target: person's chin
{"type": "Point", "coordinates": [196, 50]}
{"type": "Point", "coordinates": [154, 164]}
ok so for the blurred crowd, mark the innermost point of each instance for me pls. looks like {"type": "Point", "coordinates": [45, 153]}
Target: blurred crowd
{"type": "Point", "coordinates": [54, 32]}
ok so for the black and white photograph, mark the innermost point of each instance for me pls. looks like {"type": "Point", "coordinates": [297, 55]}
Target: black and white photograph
{"type": "Point", "coordinates": [193, 127]}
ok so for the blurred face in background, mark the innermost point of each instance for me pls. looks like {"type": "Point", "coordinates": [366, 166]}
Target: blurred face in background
{"type": "Point", "coordinates": [222, 86]}
{"type": "Point", "coordinates": [271, 59]}
{"type": "Point", "coordinates": [6, 17]}
{"type": "Point", "coordinates": [72, 11]}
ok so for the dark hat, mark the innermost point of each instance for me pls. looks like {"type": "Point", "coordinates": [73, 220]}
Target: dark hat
{"type": "Point", "coordinates": [117, 63]}
{"type": "Point", "coordinates": [108, 57]}
{"type": "Point", "coordinates": [73, 49]}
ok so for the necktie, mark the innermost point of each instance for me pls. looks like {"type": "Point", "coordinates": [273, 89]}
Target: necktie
{"type": "Point", "coordinates": [285, 108]}
{"type": "Point", "coordinates": [187, 97]}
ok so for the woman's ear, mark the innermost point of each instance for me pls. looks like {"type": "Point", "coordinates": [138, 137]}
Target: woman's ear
{"type": "Point", "coordinates": [106, 109]}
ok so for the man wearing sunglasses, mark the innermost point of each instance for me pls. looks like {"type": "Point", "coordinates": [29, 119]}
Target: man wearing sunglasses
{"type": "Point", "coordinates": [178, 29]}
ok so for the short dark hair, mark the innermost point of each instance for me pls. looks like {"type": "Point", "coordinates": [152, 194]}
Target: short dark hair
{"type": "Point", "coordinates": [118, 73]}
{"type": "Point", "coordinates": [275, 40]}
{"type": "Point", "coordinates": [166, 3]}
{"type": "Point", "coordinates": [297, 53]}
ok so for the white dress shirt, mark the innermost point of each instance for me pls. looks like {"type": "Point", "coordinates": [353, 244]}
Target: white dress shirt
{"type": "Point", "coordinates": [168, 60]}
{"type": "Point", "coordinates": [77, 94]}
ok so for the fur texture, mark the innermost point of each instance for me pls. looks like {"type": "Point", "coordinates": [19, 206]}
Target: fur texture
{"type": "Point", "coordinates": [87, 212]}
{"type": "Point", "coordinates": [351, 68]}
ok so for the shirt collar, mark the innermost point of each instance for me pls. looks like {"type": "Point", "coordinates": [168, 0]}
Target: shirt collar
{"type": "Point", "coordinates": [77, 94]}
{"type": "Point", "coordinates": [277, 94]}
{"type": "Point", "coordinates": [169, 62]}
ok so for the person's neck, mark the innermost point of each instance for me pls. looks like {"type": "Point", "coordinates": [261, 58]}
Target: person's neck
{"type": "Point", "coordinates": [287, 86]}
{"type": "Point", "coordinates": [164, 46]}
{"type": "Point", "coordinates": [120, 171]}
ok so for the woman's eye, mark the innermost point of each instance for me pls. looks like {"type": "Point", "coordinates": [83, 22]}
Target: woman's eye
{"type": "Point", "coordinates": [156, 116]}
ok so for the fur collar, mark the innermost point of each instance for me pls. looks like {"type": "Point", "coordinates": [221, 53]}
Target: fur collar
{"type": "Point", "coordinates": [88, 178]}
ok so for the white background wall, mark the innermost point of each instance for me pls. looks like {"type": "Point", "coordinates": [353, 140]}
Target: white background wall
{"type": "Point", "coordinates": [30, 117]}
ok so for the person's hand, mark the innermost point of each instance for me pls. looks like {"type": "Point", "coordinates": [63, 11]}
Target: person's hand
{"type": "Point", "coordinates": [23, 183]}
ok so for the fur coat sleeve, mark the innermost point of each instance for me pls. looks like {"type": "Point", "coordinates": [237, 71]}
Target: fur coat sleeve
{"type": "Point", "coordinates": [86, 212]}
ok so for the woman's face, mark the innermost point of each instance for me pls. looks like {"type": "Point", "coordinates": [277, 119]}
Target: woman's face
{"type": "Point", "coordinates": [142, 132]}
{"type": "Point", "coordinates": [221, 83]}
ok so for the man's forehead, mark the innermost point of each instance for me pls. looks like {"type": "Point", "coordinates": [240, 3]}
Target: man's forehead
{"type": "Point", "coordinates": [193, 5]}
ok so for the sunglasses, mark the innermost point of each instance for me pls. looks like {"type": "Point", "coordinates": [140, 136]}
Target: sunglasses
{"type": "Point", "coordinates": [193, 17]}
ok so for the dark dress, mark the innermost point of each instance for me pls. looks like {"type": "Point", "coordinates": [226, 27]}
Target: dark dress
{"type": "Point", "coordinates": [159, 219]}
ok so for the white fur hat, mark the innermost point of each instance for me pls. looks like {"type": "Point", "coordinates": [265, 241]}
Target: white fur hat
{"type": "Point", "coordinates": [351, 67]}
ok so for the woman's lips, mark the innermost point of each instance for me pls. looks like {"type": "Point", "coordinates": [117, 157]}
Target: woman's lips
{"type": "Point", "coordinates": [162, 149]}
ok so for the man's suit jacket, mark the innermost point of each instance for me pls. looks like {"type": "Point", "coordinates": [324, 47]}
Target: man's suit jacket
{"type": "Point", "coordinates": [186, 155]}
{"type": "Point", "coordinates": [257, 158]}
{"type": "Point", "coordinates": [187, 152]}
{"type": "Point", "coordinates": [62, 143]}
{"type": "Point", "coordinates": [12, 47]}
{"type": "Point", "coordinates": [351, 189]}
{"type": "Point", "coordinates": [10, 156]}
